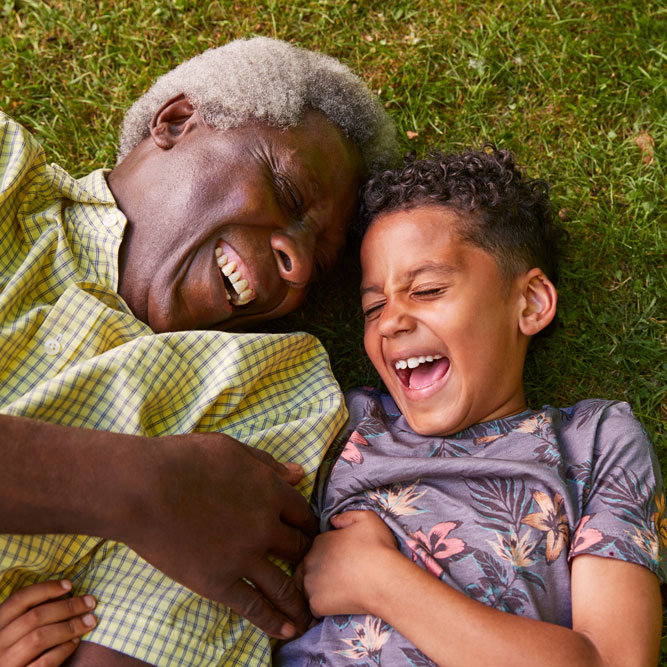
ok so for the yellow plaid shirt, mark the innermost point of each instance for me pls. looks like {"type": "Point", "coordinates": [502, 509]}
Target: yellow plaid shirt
{"type": "Point", "coordinates": [72, 352]}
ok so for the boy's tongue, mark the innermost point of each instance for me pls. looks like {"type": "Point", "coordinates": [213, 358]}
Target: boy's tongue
{"type": "Point", "coordinates": [428, 373]}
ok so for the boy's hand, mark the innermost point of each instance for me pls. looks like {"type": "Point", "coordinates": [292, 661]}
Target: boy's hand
{"type": "Point", "coordinates": [340, 571]}
{"type": "Point", "coordinates": [38, 629]}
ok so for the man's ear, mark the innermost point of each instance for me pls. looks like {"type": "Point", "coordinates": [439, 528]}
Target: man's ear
{"type": "Point", "coordinates": [170, 122]}
{"type": "Point", "coordinates": [538, 302]}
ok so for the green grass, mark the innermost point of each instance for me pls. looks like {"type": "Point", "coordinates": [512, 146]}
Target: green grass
{"type": "Point", "coordinates": [568, 86]}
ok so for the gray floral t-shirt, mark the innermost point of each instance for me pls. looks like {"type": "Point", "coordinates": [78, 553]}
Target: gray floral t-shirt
{"type": "Point", "coordinates": [496, 511]}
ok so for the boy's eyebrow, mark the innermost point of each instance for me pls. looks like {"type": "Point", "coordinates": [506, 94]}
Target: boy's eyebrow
{"type": "Point", "coordinates": [428, 267]}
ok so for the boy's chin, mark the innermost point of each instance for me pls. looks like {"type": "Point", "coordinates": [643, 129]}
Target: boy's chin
{"type": "Point", "coordinates": [432, 427]}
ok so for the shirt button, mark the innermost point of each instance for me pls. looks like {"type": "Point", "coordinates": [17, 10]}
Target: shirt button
{"type": "Point", "coordinates": [109, 220]}
{"type": "Point", "coordinates": [52, 346]}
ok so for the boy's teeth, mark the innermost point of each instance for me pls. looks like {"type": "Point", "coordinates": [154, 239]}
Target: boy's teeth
{"type": "Point", "coordinates": [413, 362]}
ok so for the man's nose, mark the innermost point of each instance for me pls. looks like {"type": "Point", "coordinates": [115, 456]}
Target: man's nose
{"type": "Point", "coordinates": [294, 257]}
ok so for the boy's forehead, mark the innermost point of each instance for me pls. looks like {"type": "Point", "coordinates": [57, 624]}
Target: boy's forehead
{"type": "Point", "coordinates": [428, 238]}
{"type": "Point", "coordinates": [409, 237]}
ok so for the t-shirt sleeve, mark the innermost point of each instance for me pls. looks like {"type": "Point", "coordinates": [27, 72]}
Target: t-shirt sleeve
{"type": "Point", "coordinates": [623, 502]}
{"type": "Point", "coordinates": [359, 403]}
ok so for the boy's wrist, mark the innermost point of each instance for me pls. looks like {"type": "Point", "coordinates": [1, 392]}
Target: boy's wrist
{"type": "Point", "coordinates": [385, 572]}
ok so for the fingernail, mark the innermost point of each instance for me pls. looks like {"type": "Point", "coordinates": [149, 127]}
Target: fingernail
{"type": "Point", "coordinates": [89, 601]}
{"type": "Point", "coordinates": [66, 585]}
{"type": "Point", "coordinates": [88, 620]}
{"type": "Point", "coordinates": [293, 467]}
{"type": "Point", "coordinates": [287, 631]}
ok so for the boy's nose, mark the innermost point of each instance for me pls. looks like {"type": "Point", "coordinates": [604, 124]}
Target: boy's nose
{"type": "Point", "coordinates": [394, 321]}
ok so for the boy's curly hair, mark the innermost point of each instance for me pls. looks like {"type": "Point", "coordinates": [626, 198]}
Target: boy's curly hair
{"type": "Point", "coordinates": [501, 211]}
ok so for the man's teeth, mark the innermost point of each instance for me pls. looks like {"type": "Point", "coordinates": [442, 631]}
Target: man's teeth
{"type": "Point", "coordinates": [244, 294]}
{"type": "Point", "coordinates": [413, 362]}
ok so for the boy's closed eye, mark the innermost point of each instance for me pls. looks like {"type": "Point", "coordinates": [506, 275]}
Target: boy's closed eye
{"type": "Point", "coordinates": [421, 293]}
{"type": "Point", "coordinates": [372, 310]}
{"type": "Point", "coordinates": [430, 291]}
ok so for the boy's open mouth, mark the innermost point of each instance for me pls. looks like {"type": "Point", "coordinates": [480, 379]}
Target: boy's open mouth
{"type": "Point", "coordinates": [422, 371]}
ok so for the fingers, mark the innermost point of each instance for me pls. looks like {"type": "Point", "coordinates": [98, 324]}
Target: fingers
{"type": "Point", "coordinates": [298, 575]}
{"type": "Point", "coordinates": [297, 513]}
{"type": "Point", "coordinates": [30, 596]}
{"type": "Point", "coordinates": [250, 603]}
{"type": "Point", "coordinates": [64, 618]}
{"type": "Point", "coordinates": [56, 656]}
{"type": "Point", "coordinates": [64, 637]}
{"type": "Point", "coordinates": [292, 473]}
{"type": "Point", "coordinates": [40, 629]}
{"type": "Point", "coordinates": [290, 543]}
{"type": "Point", "coordinates": [282, 592]}
{"type": "Point", "coordinates": [295, 510]}
{"type": "Point", "coordinates": [346, 519]}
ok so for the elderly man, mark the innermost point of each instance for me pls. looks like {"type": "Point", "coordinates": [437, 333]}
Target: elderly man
{"type": "Point", "coordinates": [237, 176]}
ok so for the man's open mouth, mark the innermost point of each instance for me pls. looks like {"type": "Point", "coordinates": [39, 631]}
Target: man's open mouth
{"type": "Point", "coordinates": [237, 288]}
{"type": "Point", "coordinates": [421, 371]}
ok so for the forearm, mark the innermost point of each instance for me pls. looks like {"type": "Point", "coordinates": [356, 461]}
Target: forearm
{"type": "Point", "coordinates": [182, 502]}
{"type": "Point", "coordinates": [57, 479]}
{"type": "Point", "coordinates": [357, 569]}
{"type": "Point", "coordinates": [453, 629]}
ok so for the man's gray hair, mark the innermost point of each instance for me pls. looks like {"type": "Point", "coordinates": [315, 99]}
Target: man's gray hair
{"type": "Point", "coordinates": [272, 81]}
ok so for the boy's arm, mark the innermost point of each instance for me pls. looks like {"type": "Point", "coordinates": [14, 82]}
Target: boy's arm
{"type": "Point", "coordinates": [203, 508]}
{"type": "Point", "coordinates": [358, 569]}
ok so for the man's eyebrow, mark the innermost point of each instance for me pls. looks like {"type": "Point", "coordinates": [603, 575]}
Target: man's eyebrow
{"type": "Point", "coordinates": [442, 268]}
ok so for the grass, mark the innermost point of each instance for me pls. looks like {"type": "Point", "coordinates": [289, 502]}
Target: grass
{"type": "Point", "coordinates": [572, 87]}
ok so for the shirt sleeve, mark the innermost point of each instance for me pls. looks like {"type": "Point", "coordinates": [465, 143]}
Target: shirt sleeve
{"type": "Point", "coordinates": [358, 403]}
{"type": "Point", "coordinates": [18, 153]}
{"type": "Point", "coordinates": [623, 504]}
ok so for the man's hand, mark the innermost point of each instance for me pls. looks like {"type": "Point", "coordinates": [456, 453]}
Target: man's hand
{"type": "Point", "coordinates": [210, 513]}
{"type": "Point", "coordinates": [203, 508]}
{"type": "Point", "coordinates": [37, 628]}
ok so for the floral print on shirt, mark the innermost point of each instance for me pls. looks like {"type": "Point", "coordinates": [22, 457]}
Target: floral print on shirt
{"type": "Point", "coordinates": [497, 511]}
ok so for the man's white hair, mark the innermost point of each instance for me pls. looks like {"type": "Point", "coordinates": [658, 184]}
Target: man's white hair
{"type": "Point", "coordinates": [272, 81]}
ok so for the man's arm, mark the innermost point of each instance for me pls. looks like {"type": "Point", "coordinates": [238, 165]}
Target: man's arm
{"type": "Point", "coordinates": [203, 508]}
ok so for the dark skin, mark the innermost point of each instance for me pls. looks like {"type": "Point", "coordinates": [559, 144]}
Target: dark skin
{"type": "Point", "coordinates": [275, 200]}
{"type": "Point", "coordinates": [278, 202]}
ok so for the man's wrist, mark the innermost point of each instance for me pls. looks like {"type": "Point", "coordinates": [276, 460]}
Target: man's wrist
{"type": "Point", "coordinates": [59, 479]}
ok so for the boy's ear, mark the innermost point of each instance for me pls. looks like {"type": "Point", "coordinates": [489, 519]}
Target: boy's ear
{"type": "Point", "coordinates": [538, 302]}
{"type": "Point", "coordinates": [170, 122]}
